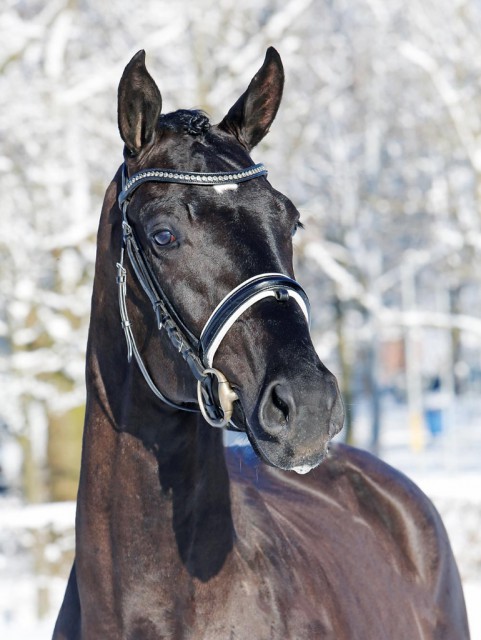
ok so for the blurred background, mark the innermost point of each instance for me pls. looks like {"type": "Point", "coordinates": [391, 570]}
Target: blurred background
{"type": "Point", "coordinates": [377, 142]}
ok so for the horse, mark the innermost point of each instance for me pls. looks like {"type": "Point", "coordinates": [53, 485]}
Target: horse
{"type": "Point", "coordinates": [197, 326]}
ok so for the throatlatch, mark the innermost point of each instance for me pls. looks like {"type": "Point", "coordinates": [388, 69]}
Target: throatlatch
{"type": "Point", "coordinates": [214, 393]}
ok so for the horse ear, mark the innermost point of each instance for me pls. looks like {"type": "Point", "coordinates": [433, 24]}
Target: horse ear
{"type": "Point", "coordinates": [252, 115]}
{"type": "Point", "coordinates": [139, 104]}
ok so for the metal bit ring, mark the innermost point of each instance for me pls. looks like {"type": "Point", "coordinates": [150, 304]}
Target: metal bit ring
{"type": "Point", "coordinates": [227, 397]}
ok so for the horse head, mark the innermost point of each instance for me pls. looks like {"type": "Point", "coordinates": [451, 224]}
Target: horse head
{"type": "Point", "coordinates": [206, 221]}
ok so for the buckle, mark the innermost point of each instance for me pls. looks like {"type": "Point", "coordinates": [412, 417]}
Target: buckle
{"type": "Point", "coordinates": [216, 404]}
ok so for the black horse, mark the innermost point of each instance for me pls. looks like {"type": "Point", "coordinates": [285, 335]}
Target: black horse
{"type": "Point", "coordinates": [177, 537]}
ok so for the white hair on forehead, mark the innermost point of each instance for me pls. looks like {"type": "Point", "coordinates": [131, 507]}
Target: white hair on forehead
{"type": "Point", "coordinates": [225, 187]}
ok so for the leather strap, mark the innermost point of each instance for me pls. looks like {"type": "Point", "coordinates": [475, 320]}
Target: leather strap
{"type": "Point", "coordinates": [188, 177]}
{"type": "Point", "coordinates": [235, 303]}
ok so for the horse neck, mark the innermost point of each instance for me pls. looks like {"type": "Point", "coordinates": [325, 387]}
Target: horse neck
{"type": "Point", "coordinates": [142, 459]}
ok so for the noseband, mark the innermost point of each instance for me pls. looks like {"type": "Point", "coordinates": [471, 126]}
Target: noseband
{"type": "Point", "coordinates": [214, 393]}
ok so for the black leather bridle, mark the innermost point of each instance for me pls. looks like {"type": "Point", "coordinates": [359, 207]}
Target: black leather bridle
{"type": "Point", "coordinates": [214, 393]}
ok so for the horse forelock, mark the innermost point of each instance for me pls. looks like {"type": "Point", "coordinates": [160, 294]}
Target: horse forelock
{"type": "Point", "coordinates": [192, 121]}
{"type": "Point", "coordinates": [187, 140]}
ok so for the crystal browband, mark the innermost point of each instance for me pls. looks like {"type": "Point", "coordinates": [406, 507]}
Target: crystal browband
{"type": "Point", "coordinates": [189, 177]}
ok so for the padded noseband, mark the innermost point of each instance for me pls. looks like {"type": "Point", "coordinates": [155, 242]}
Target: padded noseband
{"type": "Point", "coordinates": [245, 295]}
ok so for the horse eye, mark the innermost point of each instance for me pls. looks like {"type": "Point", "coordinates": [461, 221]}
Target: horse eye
{"type": "Point", "coordinates": [164, 237]}
{"type": "Point", "coordinates": [297, 226]}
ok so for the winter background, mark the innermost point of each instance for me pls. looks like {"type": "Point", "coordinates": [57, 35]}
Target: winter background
{"type": "Point", "coordinates": [378, 142]}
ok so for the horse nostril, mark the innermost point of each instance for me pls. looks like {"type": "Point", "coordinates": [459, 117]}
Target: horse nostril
{"type": "Point", "coordinates": [280, 403]}
{"type": "Point", "coordinates": [276, 409]}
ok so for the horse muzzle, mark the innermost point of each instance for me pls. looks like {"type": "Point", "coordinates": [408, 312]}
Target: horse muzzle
{"type": "Point", "coordinates": [295, 420]}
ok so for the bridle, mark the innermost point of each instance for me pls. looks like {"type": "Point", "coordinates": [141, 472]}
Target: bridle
{"type": "Point", "coordinates": [214, 394]}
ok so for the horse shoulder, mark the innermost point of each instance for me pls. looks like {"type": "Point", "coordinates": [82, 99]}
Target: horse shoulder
{"type": "Point", "coordinates": [393, 506]}
{"type": "Point", "coordinates": [404, 520]}
{"type": "Point", "coordinates": [363, 535]}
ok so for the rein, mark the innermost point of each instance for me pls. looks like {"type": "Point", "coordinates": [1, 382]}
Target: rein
{"type": "Point", "coordinates": [214, 394]}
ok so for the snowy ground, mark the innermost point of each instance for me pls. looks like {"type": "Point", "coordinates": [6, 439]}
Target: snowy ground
{"type": "Point", "coordinates": [36, 542]}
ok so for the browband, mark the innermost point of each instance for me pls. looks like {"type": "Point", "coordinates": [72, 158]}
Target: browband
{"type": "Point", "coordinates": [188, 177]}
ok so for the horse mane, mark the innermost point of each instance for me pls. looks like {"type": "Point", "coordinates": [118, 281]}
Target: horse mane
{"type": "Point", "coordinates": [192, 121]}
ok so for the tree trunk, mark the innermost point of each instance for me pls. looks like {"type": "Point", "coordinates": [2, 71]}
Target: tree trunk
{"type": "Point", "coordinates": [63, 453]}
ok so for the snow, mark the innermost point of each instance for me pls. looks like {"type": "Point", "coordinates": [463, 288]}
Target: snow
{"type": "Point", "coordinates": [36, 547]}
{"type": "Point", "coordinates": [472, 594]}
{"type": "Point", "coordinates": [57, 515]}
